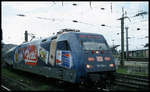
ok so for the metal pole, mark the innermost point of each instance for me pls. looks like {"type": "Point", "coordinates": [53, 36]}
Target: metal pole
{"type": "Point", "coordinates": [1, 35]}
{"type": "Point", "coordinates": [126, 43]}
{"type": "Point", "coordinates": [26, 36]}
{"type": "Point", "coordinates": [113, 42]}
{"type": "Point", "coordinates": [62, 3]}
{"type": "Point", "coordinates": [122, 39]}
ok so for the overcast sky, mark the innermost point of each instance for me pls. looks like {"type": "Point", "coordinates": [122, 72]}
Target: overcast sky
{"type": "Point", "coordinates": [58, 15]}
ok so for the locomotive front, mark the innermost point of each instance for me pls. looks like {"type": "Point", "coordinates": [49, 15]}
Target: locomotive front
{"type": "Point", "coordinates": [98, 61]}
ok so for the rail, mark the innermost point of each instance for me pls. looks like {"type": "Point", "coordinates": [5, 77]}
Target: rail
{"type": "Point", "coordinates": [138, 59]}
{"type": "Point", "coordinates": [33, 82]}
{"type": "Point", "coordinates": [132, 81]}
{"type": "Point", "coordinates": [4, 88]}
{"type": "Point", "coordinates": [122, 80]}
{"type": "Point", "coordinates": [13, 84]}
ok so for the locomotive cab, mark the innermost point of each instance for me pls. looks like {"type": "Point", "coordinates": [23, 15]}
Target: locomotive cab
{"type": "Point", "coordinates": [98, 60]}
{"type": "Point", "coordinates": [97, 54]}
{"type": "Point", "coordinates": [87, 54]}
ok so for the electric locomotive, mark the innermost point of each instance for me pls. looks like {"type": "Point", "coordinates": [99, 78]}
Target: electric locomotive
{"type": "Point", "coordinates": [70, 56]}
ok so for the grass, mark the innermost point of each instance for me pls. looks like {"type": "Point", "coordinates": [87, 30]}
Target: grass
{"type": "Point", "coordinates": [34, 84]}
{"type": "Point", "coordinates": [11, 74]}
{"type": "Point", "coordinates": [124, 70]}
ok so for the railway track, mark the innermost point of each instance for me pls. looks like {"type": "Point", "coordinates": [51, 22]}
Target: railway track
{"type": "Point", "coordinates": [132, 81]}
{"type": "Point", "coordinates": [122, 80]}
{"type": "Point", "coordinates": [4, 88]}
{"type": "Point", "coordinates": [37, 81]}
{"type": "Point", "coordinates": [13, 84]}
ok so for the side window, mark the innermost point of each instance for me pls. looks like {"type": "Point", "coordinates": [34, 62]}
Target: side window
{"type": "Point", "coordinates": [45, 44]}
{"type": "Point", "coordinates": [63, 45]}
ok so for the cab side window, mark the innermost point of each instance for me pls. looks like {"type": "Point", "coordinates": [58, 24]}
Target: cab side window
{"type": "Point", "coordinates": [45, 44]}
{"type": "Point", "coordinates": [63, 45]}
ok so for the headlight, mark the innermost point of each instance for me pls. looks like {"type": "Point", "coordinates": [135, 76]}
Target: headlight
{"type": "Point", "coordinates": [89, 66]}
{"type": "Point", "coordinates": [111, 65]}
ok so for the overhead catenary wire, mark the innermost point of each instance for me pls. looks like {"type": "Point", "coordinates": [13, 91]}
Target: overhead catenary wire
{"type": "Point", "coordinates": [95, 25]}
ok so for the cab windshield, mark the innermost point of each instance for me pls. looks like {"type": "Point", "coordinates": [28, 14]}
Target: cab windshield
{"type": "Point", "coordinates": [94, 46]}
{"type": "Point", "coordinates": [93, 42]}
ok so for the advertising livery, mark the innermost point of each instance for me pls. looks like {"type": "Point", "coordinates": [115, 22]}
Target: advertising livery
{"type": "Point", "coordinates": [70, 56]}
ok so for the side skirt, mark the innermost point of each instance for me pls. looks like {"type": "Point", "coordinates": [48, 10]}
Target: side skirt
{"type": "Point", "coordinates": [68, 75]}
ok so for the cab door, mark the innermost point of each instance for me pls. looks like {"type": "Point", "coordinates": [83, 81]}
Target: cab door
{"type": "Point", "coordinates": [52, 52]}
{"type": "Point", "coordinates": [63, 56]}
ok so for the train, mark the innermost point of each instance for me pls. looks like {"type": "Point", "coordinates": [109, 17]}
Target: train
{"type": "Point", "coordinates": [70, 55]}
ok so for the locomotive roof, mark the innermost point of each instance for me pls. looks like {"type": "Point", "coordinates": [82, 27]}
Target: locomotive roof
{"type": "Point", "coordinates": [65, 33]}
{"type": "Point", "coordinates": [83, 33]}
{"type": "Point", "coordinates": [10, 50]}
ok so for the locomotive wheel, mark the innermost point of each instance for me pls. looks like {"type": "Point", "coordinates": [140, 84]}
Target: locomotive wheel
{"type": "Point", "coordinates": [84, 84]}
{"type": "Point", "coordinates": [108, 84]}
{"type": "Point", "coordinates": [81, 85]}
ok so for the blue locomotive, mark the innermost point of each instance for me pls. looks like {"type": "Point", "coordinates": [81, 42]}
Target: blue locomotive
{"type": "Point", "coordinates": [70, 56]}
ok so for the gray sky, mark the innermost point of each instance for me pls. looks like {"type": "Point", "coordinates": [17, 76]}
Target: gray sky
{"type": "Point", "coordinates": [56, 16]}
